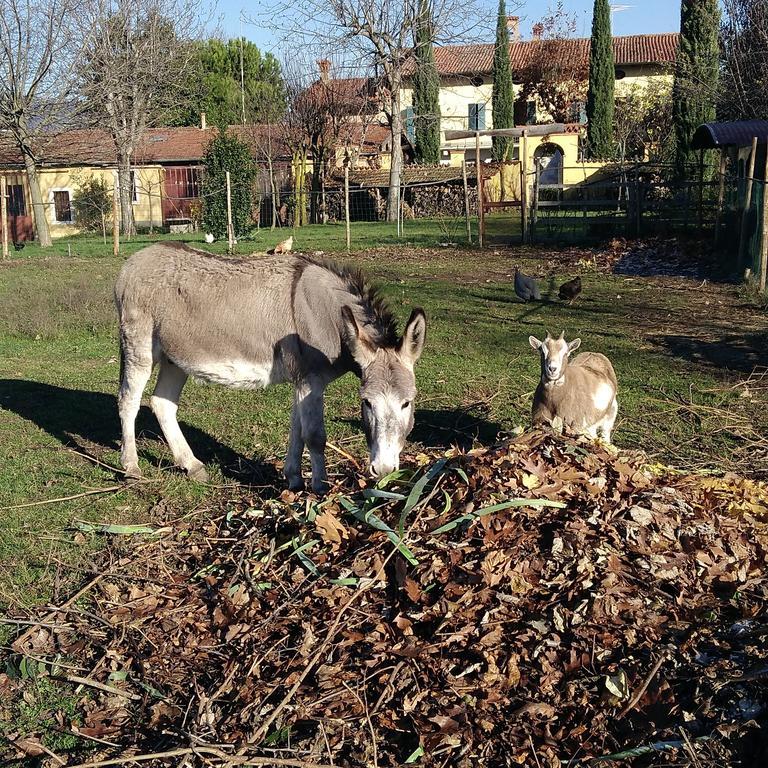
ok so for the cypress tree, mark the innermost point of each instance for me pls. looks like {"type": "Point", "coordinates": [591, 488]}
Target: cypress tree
{"type": "Point", "coordinates": [602, 76]}
{"type": "Point", "coordinates": [503, 97]}
{"type": "Point", "coordinates": [426, 93]}
{"type": "Point", "coordinates": [696, 76]}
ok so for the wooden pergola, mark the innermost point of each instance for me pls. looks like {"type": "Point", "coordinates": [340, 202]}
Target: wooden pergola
{"type": "Point", "coordinates": [522, 133]}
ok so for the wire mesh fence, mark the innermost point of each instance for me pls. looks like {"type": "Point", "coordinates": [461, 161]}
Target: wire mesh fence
{"type": "Point", "coordinates": [640, 201]}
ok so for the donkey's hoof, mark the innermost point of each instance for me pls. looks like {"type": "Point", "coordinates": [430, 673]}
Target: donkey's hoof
{"type": "Point", "coordinates": [132, 472]}
{"type": "Point", "coordinates": [295, 483]}
{"type": "Point", "coordinates": [321, 486]}
{"type": "Point", "coordinates": [198, 473]}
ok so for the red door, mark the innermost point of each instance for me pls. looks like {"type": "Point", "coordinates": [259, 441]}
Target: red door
{"type": "Point", "coordinates": [181, 191]}
{"type": "Point", "coordinates": [20, 225]}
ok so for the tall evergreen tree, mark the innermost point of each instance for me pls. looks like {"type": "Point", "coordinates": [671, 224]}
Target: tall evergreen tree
{"type": "Point", "coordinates": [426, 92]}
{"type": "Point", "coordinates": [503, 96]}
{"type": "Point", "coordinates": [696, 75]}
{"type": "Point", "coordinates": [602, 76]}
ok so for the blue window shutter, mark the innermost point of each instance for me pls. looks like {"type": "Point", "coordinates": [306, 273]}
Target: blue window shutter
{"type": "Point", "coordinates": [472, 117]}
{"type": "Point", "coordinates": [530, 113]}
{"type": "Point", "coordinates": [481, 117]}
{"type": "Point", "coordinates": [410, 124]}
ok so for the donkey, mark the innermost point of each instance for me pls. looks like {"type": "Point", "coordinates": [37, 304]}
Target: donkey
{"type": "Point", "coordinates": [581, 393]}
{"type": "Point", "coordinates": [251, 323]}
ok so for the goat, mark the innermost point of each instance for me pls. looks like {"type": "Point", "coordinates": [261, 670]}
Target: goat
{"type": "Point", "coordinates": [580, 393]}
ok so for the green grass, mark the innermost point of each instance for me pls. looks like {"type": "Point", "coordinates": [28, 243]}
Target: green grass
{"type": "Point", "coordinates": [330, 238]}
{"type": "Point", "coordinates": [59, 372]}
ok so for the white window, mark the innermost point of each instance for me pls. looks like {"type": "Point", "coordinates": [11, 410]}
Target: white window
{"type": "Point", "coordinates": [61, 200]}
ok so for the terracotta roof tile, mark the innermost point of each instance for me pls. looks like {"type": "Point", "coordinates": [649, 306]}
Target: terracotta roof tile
{"type": "Point", "coordinates": [632, 49]}
{"type": "Point", "coordinates": [93, 146]}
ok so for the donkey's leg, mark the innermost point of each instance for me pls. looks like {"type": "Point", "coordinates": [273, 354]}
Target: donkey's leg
{"type": "Point", "coordinates": [136, 352]}
{"type": "Point", "coordinates": [310, 396]}
{"type": "Point", "coordinates": [165, 403]}
{"type": "Point", "coordinates": [292, 469]}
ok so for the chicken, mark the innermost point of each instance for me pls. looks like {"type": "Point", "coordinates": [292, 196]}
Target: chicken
{"type": "Point", "coordinates": [18, 246]}
{"type": "Point", "coordinates": [570, 290]}
{"type": "Point", "coordinates": [284, 247]}
{"type": "Point", "coordinates": [526, 287]}
{"type": "Point", "coordinates": [209, 238]}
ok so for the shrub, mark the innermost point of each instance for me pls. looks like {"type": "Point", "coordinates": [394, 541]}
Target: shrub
{"type": "Point", "coordinates": [227, 153]}
{"type": "Point", "coordinates": [92, 203]}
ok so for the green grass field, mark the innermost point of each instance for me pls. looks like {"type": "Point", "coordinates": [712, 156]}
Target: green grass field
{"type": "Point", "coordinates": [679, 349]}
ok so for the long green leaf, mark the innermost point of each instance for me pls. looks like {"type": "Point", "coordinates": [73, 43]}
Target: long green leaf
{"type": "Point", "coordinates": [380, 525]}
{"type": "Point", "coordinates": [415, 755]}
{"type": "Point", "coordinates": [414, 497]}
{"type": "Point", "coordinates": [377, 493]}
{"type": "Point", "coordinates": [658, 746]}
{"type": "Point", "coordinates": [469, 516]}
{"type": "Point", "coordinates": [124, 530]}
{"type": "Point", "coordinates": [305, 560]}
{"type": "Point", "coordinates": [418, 487]}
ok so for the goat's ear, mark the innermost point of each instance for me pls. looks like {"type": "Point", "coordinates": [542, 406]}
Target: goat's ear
{"type": "Point", "coordinates": [574, 345]}
{"type": "Point", "coordinates": [535, 343]}
{"type": "Point", "coordinates": [411, 345]}
{"type": "Point", "coordinates": [357, 341]}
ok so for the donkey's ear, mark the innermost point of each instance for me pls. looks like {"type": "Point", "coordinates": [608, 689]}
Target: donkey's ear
{"type": "Point", "coordinates": [355, 338]}
{"type": "Point", "coordinates": [412, 343]}
{"type": "Point", "coordinates": [535, 343]}
{"type": "Point", "coordinates": [574, 345]}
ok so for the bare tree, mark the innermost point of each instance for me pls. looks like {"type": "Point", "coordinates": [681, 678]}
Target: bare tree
{"type": "Point", "coordinates": [37, 53]}
{"type": "Point", "coordinates": [378, 36]}
{"type": "Point", "coordinates": [134, 70]}
{"type": "Point", "coordinates": [744, 53]}
{"type": "Point", "coordinates": [642, 123]}
{"type": "Point", "coordinates": [555, 76]}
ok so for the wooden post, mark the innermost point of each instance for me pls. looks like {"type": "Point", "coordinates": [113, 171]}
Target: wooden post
{"type": "Point", "coordinates": [764, 238]}
{"type": "Point", "coordinates": [480, 193]}
{"type": "Point", "coordinates": [466, 200]}
{"type": "Point", "coordinates": [4, 213]}
{"type": "Point", "coordinates": [524, 186]}
{"type": "Point", "coordinates": [230, 228]}
{"type": "Point", "coordinates": [747, 202]}
{"type": "Point", "coordinates": [701, 190]}
{"type": "Point", "coordinates": [535, 212]}
{"type": "Point", "coordinates": [116, 216]}
{"type": "Point", "coordinates": [720, 194]}
{"type": "Point", "coordinates": [638, 205]}
{"type": "Point", "coordinates": [346, 206]}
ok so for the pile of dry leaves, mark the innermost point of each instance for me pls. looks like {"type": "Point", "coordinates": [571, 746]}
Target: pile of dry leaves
{"type": "Point", "coordinates": [543, 603]}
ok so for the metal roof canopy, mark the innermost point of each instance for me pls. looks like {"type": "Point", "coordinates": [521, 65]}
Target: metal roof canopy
{"type": "Point", "coordinates": [738, 133]}
{"type": "Point", "coordinates": [528, 130]}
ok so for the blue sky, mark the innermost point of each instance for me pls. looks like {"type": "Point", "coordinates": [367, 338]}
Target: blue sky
{"type": "Point", "coordinates": [631, 17]}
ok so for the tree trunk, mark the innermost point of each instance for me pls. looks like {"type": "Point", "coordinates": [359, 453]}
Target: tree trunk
{"type": "Point", "coordinates": [396, 168]}
{"type": "Point", "coordinates": [38, 206]}
{"type": "Point", "coordinates": [127, 225]}
{"type": "Point", "coordinates": [273, 187]}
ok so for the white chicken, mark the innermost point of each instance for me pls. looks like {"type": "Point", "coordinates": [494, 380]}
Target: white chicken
{"type": "Point", "coordinates": [209, 238]}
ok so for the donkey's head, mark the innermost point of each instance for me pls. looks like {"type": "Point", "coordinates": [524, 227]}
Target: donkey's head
{"type": "Point", "coordinates": [554, 355]}
{"type": "Point", "coordinates": [388, 388]}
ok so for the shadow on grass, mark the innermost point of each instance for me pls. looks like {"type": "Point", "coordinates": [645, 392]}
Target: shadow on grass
{"type": "Point", "coordinates": [88, 422]}
{"type": "Point", "coordinates": [735, 351]}
{"type": "Point", "coordinates": [444, 428]}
